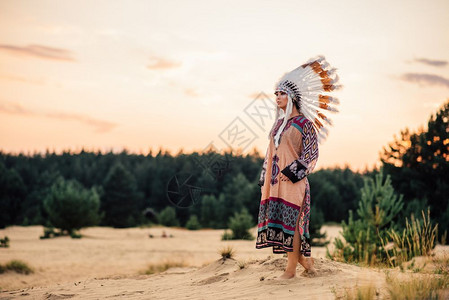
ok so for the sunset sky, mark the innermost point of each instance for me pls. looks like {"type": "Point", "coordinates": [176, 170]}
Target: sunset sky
{"type": "Point", "coordinates": [140, 75]}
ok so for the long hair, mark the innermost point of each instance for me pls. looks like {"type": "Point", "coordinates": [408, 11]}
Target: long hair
{"type": "Point", "coordinates": [288, 111]}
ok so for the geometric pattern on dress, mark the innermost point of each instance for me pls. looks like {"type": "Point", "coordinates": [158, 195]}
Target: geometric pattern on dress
{"type": "Point", "coordinates": [279, 213]}
{"type": "Point", "coordinates": [277, 221]}
{"type": "Point", "coordinates": [279, 123]}
{"type": "Point", "coordinates": [274, 169]}
{"type": "Point", "coordinates": [303, 166]}
{"type": "Point", "coordinates": [309, 143]}
{"type": "Point", "coordinates": [303, 224]}
{"type": "Point", "coordinates": [276, 224]}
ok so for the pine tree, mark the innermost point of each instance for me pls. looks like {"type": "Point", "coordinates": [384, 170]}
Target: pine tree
{"type": "Point", "coordinates": [363, 236]}
{"type": "Point", "coordinates": [379, 204]}
{"type": "Point", "coordinates": [12, 195]}
{"type": "Point", "coordinates": [418, 163]}
{"type": "Point", "coordinates": [120, 202]}
{"type": "Point", "coordinates": [71, 207]}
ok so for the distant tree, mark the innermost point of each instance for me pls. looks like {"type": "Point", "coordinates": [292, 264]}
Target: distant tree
{"type": "Point", "coordinates": [71, 207]}
{"type": "Point", "coordinates": [33, 212]}
{"type": "Point", "coordinates": [12, 196]}
{"type": "Point", "coordinates": [193, 223]}
{"type": "Point", "coordinates": [316, 222]}
{"type": "Point", "coordinates": [120, 202]}
{"type": "Point", "coordinates": [168, 217]}
{"type": "Point", "coordinates": [208, 211]}
{"type": "Point", "coordinates": [418, 163]}
{"type": "Point", "coordinates": [239, 195]}
{"type": "Point", "coordinates": [240, 224]}
{"type": "Point", "coordinates": [335, 192]}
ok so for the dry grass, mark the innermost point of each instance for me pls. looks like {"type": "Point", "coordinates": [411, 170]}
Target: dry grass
{"type": "Point", "coordinates": [163, 266]}
{"type": "Point", "coordinates": [361, 293]}
{"type": "Point", "coordinates": [227, 252]}
{"type": "Point", "coordinates": [417, 239]}
{"type": "Point", "coordinates": [17, 266]}
{"type": "Point", "coordinates": [419, 287]}
{"type": "Point", "coordinates": [441, 265]}
{"type": "Point", "coordinates": [242, 264]}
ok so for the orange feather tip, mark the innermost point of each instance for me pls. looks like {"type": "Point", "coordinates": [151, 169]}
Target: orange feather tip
{"type": "Point", "coordinates": [318, 124]}
{"type": "Point", "coordinates": [324, 118]}
{"type": "Point", "coordinates": [326, 81]}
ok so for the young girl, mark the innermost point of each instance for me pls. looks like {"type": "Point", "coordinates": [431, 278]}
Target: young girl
{"type": "Point", "coordinates": [292, 154]}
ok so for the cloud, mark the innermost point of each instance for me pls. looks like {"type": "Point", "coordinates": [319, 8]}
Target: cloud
{"type": "Point", "coordinates": [23, 79]}
{"type": "Point", "coordinates": [425, 79]}
{"type": "Point", "coordinates": [158, 63]}
{"type": "Point", "coordinates": [191, 92]}
{"type": "Point", "coordinates": [431, 62]}
{"type": "Point", "coordinates": [39, 51]}
{"type": "Point", "coordinates": [13, 108]}
{"type": "Point", "coordinates": [17, 109]}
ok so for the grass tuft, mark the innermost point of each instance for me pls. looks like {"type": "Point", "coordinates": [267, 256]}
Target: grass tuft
{"type": "Point", "coordinates": [227, 252]}
{"type": "Point", "coordinates": [242, 264]}
{"type": "Point", "coordinates": [163, 266]}
{"type": "Point", "coordinates": [422, 287]}
{"type": "Point", "coordinates": [17, 266]}
{"type": "Point", "coordinates": [361, 293]}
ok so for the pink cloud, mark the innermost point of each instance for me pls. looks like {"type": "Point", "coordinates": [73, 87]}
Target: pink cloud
{"type": "Point", "coordinates": [158, 63]}
{"type": "Point", "coordinates": [39, 51]}
{"type": "Point", "coordinates": [100, 126]}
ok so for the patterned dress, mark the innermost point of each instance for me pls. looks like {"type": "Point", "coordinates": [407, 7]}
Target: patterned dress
{"type": "Point", "coordinates": [284, 202]}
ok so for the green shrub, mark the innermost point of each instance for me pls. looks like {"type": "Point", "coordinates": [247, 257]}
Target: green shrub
{"type": "Point", "coordinates": [50, 232]}
{"type": "Point", "coordinates": [363, 238]}
{"type": "Point", "coordinates": [193, 223]}
{"type": "Point", "coordinates": [4, 243]}
{"type": "Point", "coordinates": [226, 235]}
{"type": "Point", "coordinates": [167, 217]}
{"type": "Point", "coordinates": [17, 266]}
{"type": "Point", "coordinates": [240, 223]}
{"type": "Point", "coordinates": [71, 207]}
{"type": "Point", "coordinates": [75, 235]}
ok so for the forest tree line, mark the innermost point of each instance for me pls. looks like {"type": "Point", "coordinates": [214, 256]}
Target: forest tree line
{"type": "Point", "coordinates": [133, 189]}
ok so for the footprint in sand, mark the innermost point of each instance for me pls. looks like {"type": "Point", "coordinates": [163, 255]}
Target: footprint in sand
{"type": "Point", "coordinates": [212, 279]}
{"type": "Point", "coordinates": [51, 296]}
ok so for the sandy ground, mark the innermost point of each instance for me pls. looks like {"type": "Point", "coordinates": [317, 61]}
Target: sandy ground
{"type": "Point", "coordinates": [108, 263]}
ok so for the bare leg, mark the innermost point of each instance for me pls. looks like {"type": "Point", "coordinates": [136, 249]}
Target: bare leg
{"type": "Point", "coordinates": [292, 258]}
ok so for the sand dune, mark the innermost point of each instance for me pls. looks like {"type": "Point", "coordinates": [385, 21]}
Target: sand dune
{"type": "Point", "coordinates": [221, 279]}
{"type": "Point", "coordinates": [106, 263]}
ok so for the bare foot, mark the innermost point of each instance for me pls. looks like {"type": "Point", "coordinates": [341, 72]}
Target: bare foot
{"type": "Point", "coordinates": [309, 273]}
{"type": "Point", "coordinates": [308, 265]}
{"type": "Point", "coordinates": [286, 275]}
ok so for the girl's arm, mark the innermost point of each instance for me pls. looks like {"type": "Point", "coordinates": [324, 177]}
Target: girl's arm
{"type": "Point", "coordinates": [308, 155]}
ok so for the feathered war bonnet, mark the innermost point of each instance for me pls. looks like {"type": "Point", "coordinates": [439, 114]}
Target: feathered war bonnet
{"type": "Point", "coordinates": [307, 88]}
